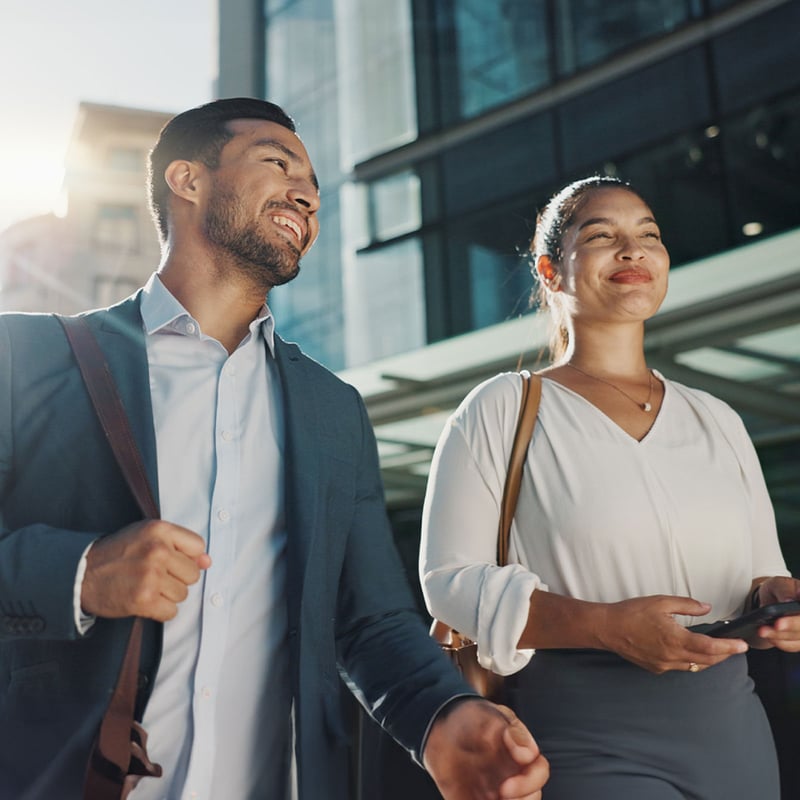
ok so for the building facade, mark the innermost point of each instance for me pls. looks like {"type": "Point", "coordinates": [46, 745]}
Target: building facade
{"type": "Point", "coordinates": [439, 128]}
{"type": "Point", "coordinates": [106, 245]}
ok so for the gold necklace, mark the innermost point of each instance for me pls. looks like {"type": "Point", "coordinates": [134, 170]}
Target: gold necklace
{"type": "Point", "coordinates": [646, 407]}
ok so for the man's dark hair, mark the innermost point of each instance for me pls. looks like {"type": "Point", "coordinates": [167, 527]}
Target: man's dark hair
{"type": "Point", "coordinates": [199, 134]}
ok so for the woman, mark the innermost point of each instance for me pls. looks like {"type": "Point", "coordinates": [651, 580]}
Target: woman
{"type": "Point", "coordinates": [643, 510]}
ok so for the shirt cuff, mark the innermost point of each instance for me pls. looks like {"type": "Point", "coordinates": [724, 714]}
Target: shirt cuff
{"type": "Point", "coordinates": [83, 622]}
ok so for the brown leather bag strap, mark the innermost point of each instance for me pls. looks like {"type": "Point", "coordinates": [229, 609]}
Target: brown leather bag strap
{"type": "Point", "coordinates": [110, 760]}
{"type": "Point", "coordinates": [526, 421]}
{"type": "Point", "coordinates": [110, 411]}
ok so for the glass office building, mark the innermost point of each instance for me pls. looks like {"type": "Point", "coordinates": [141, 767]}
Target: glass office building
{"type": "Point", "coordinates": [439, 127]}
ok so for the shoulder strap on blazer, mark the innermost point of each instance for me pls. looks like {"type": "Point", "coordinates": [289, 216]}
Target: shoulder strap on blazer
{"type": "Point", "coordinates": [529, 408]}
{"type": "Point", "coordinates": [119, 755]}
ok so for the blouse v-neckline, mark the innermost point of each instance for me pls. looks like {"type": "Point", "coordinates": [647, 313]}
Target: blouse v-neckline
{"type": "Point", "coordinates": [615, 425]}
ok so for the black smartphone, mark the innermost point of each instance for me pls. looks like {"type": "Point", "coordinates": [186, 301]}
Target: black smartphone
{"type": "Point", "coordinates": [746, 625]}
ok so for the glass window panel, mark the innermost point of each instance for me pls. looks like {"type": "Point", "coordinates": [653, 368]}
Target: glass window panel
{"type": "Point", "coordinates": [498, 165]}
{"type": "Point", "coordinates": [306, 86]}
{"type": "Point", "coordinates": [127, 159]}
{"type": "Point", "coordinates": [762, 154]}
{"type": "Point", "coordinates": [309, 309]}
{"type": "Point", "coordinates": [593, 30]}
{"type": "Point", "coordinates": [396, 205]}
{"type": "Point", "coordinates": [682, 180]}
{"type": "Point", "coordinates": [300, 72]}
{"type": "Point", "coordinates": [384, 302]}
{"type": "Point", "coordinates": [375, 73]}
{"type": "Point", "coordinates": [494, 52]}
{"type": "Point", "coordinates": [355, 215]}
{"type": "Point", "coordinates": [116, 227]}
{"type": "Point", "coordinates": [758, 59]}
{"type": "Point", "coordinates": [489, 272]}
{"type": "Point", "coordinates": [664, 99]}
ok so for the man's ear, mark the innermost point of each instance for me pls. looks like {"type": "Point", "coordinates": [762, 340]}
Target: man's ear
{"type": "Point", "coordinates": [183, 178]}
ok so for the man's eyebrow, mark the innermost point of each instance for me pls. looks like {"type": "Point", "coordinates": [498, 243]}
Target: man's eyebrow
{"type": "Point", "coordinates": [288, 152]}
{"type": "Point", "coordinates": [607, 221]}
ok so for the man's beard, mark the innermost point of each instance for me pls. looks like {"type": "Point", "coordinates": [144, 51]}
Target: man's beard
{"type": "Point", "coordinates": [259, 260]}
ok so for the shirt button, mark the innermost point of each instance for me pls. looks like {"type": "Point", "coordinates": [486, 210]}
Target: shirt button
{"type": "Point", "coordinates": [217, 600]}
{"type": "Point", "coordinates": [193, 794]}
{"type": "Point", "coordinates": [227, 436]}
{"type": "Point", "coordinates": [224, 515]}
{"type": "Point", "coordinates": [205, 692]}
{"type": "Point", "coordinates": [190, 327]}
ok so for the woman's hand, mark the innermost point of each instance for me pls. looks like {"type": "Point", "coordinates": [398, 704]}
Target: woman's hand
{"type": "Point", "coordinates": [784, 633]}
{"type": "Point", "coordinates": [643, 631]}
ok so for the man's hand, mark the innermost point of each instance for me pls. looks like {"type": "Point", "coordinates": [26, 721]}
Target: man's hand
{"type": "Point", "coordinates": [479, 751]}
{"type": "Point", "coordinates": [144, 570]}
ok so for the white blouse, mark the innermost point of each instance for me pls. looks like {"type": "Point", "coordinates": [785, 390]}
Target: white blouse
{"type": "Point", "coordinates": [601, 516]}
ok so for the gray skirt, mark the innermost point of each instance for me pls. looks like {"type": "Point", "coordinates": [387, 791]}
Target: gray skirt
{"type": "Point", "coordinates": [612, 730]}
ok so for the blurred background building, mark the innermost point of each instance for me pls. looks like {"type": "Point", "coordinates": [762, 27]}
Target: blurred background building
{"type": "Point", "coordinates": [439, 128]}
{"type": "Point", "coordinates": [104, 246]}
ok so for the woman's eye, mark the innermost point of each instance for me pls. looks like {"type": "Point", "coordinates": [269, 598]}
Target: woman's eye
{"type": "Point", "coordinates": [653, 234]}
{"type": "Point", "coordinates": [599, 235]}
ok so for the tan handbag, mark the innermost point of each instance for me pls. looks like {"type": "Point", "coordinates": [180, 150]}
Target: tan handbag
{"type": "Point", "coordinates": [461, 650]}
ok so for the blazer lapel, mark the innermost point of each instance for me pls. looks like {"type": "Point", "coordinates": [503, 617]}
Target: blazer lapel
{"type": "Point", "coordinates": [302, 465]}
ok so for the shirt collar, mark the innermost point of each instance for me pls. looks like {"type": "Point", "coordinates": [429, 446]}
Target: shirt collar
{"type": "Point", "coordinates": [161, 312]}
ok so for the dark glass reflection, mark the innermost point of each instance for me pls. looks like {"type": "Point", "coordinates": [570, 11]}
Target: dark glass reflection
{"type": "Point", "coordinates": [592, 30]}
{"type": "Point", "coordinates": [762, 156]}
{"type": "Point", "coordinates": [490, 53]}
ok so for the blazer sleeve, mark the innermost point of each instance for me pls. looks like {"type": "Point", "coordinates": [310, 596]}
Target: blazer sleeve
{"type": "Point", "coordinates": [38, 562]}
{"type": "Point", "coordinates": [395, 669]}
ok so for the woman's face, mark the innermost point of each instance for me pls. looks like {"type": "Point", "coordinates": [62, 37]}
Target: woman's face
{"type": "Point", "coordinates": [614, 264]}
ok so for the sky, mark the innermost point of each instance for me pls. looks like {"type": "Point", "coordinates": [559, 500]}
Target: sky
{"type": "Point", "coordinates": [152, 54]}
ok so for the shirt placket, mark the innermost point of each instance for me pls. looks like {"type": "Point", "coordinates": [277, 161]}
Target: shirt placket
{"type": "Point", "coordinates": [217, 588]}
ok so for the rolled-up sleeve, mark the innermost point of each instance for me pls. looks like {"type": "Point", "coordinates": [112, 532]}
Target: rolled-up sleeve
{"type": "Point", "coordinates": [461, 582]}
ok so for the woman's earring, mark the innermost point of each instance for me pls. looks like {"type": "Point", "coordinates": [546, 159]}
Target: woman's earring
{"type": "Point", "coordinates": [549, 277]}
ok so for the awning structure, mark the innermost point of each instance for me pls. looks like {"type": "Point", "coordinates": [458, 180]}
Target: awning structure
{"type": "Point", "coordinates": [730, 325]}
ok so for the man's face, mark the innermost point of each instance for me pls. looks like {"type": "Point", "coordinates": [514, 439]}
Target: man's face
{"type": "Point", "coordinates": [263, 204]}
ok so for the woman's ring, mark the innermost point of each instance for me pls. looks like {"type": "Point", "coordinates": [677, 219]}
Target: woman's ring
{"type": "Point", "coordinates": [694, 667]}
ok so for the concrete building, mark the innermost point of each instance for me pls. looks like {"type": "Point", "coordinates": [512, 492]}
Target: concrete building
{"type": "Point", "coordinates": [106, 245]}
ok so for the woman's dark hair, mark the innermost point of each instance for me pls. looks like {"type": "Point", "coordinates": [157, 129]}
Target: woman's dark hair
{"type": "Point", "coordinates": [552, 222]}
{"type": "Point", "coordinates": [199, 134]}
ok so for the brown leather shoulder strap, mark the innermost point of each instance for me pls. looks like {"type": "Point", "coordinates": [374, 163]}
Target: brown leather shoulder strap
{"type": "Point", "coordinates": [116, 761]}
{"type": "Point", "coordinates": [526, 421]}
{"type": "Point", "coordinates": [110, 411]}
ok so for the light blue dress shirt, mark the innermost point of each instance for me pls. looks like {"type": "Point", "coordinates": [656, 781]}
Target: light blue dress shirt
{"type": "Point", "coordinates": [219, 715]}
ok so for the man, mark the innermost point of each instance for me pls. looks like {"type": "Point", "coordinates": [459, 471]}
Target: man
{"type": "Point", "coordinates": [272, 572]}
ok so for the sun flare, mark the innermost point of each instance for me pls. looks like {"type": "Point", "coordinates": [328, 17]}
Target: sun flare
{"type": "Point", "coordinates": [31, 182]}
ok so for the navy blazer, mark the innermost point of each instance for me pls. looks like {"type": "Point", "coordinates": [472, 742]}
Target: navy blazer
{"type": "Point", "coordinates": [350, 610]}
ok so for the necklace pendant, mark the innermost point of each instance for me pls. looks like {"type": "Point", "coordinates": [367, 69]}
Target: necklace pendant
{"type": "Point", "coordinates": [646, 407]}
